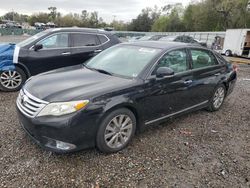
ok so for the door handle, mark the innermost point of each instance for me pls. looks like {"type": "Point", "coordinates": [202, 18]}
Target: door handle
{"type": "Point", "coordinates": [187, 82]}
{"type": "Point", "coordinates": [97, 51]}
{"type": "Point", "coordinates": [217, 74]}
{"type": "Point", "coordinates": [66, 53]}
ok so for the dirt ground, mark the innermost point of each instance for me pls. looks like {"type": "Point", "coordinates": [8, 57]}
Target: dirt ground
{"type": "Point", "coordinates": [201, 149]}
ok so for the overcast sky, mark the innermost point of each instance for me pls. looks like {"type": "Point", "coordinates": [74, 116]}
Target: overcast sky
{"type": "Point", "coordinates": [123, 9]}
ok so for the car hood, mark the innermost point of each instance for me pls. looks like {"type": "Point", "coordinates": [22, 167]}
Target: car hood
{"type": "Point", "coordinates": [73, 83]}
{"type": "Point", "coordinates": [6, 56]}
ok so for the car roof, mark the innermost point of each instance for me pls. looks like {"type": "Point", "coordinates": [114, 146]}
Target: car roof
{"type": "Point", "coordinates": [164, 45]}
{"type": "Point", "coordinates": [78, 29]}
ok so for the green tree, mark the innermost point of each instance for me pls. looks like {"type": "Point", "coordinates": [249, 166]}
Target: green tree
{"type": "Point", "coordinates": [93, 19]}
{"type": "Point", "coordinates": [144, 21]}
{"type": "Point", "coordinates": [40, 17]}
{"type": "Point", "coordinates": [53, 13]}
{"type": "Point", "coordinates": [171, 19]}
{"type": "Point", "coordinates": [160, 24]}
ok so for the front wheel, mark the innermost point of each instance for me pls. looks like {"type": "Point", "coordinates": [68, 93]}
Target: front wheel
{"type": "Point", "coordinates": [116, 131]}
{"type": "Point", "coordinates": [12, 80]}
{"type": "Point", "coordinates": [217, 99]}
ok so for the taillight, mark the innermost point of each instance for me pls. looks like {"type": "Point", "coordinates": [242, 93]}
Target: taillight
{"type": "Point", "coordinates": [235, 67]}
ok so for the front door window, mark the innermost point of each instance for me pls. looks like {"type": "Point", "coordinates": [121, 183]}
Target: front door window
{"type": "Point", "coordinates": [176, 60]}
{"type": "Point", "coordinates": [55, 41]}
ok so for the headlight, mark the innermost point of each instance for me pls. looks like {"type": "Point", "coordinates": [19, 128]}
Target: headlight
{"type": "Point", "coordinates": [62, 108]}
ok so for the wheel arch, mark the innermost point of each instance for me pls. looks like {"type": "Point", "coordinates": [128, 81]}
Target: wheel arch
{"type": "Point", "coordinates": [129, 106]}
{"type": "Point", "coordinates": [24, 68]}
{"type": "Point", "coordinates": [226, 85]}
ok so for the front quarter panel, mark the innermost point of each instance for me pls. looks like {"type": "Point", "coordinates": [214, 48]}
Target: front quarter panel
{"type": "Point", "coordinates": [130, 98]}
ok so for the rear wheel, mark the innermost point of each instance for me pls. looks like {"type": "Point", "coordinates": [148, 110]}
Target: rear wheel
{"type": "Point", "coordinates": [116, 131]}
{"type": "Point", "coordinates": [218, 98]}
{"type": "Point", "coordinates": [12, 80]}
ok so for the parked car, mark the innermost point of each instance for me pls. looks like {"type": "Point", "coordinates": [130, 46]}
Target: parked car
{"type": "Point", "coordinates": [184, 39]}
{"type": "Point", "coordinates": [52, 49]}
{"type": "Point", "coordinates": [119, 91]}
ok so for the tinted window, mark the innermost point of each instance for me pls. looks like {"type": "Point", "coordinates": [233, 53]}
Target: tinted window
{"type": "Point", "coordinates": [176, 60]}
{"type": "Point", "coordinates": [102, 38]}
{"type": "Point", "coordinates": [56, 41]}
{"type": "Point", "coordinates": [202, 58]}
{"type": "Point", "coordinates": [84, 40]}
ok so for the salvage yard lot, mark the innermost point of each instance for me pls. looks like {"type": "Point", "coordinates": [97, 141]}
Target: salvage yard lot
{"type": "Point", "coordinates": [201, 149]}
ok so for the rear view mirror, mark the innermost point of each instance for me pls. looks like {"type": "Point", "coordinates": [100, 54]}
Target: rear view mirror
{"type": "Point", "coordinates": [38, 47]}
{"type": "Point", "coordinates": [164, 71]}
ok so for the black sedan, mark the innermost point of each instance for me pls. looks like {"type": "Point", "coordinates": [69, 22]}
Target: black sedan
{"type": "Point", "coordinates": [48, 50]}
{"type": "Point", "coordinates": [104, 102]}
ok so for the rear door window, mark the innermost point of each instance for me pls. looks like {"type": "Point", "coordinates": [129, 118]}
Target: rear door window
{"type": "Point", "coordinates": [202, 58]}
{"type": "Point", "coordinates": [83, 40]}
{"type": "Point", "coordinates": [220, 58]}
{"type": "Point", "coordinates": [103, 39]}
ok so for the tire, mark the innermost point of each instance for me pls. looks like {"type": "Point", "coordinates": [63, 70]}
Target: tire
{"type": "Point", "coordinates": [228, 53]}
{"type": "Point", "coordinates": [217, 99]}
{"type": "Point", "coordinates": [12, 80]}
{"type": "Point", "coordinates": [110, 138]}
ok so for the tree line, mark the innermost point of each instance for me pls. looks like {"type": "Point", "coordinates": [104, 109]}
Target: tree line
{"type": "Point", "coordinates": [205, 15]}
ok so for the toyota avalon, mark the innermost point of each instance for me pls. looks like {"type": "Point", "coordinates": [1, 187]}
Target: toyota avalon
{"type": "Point", "coordinates": [105, 101]}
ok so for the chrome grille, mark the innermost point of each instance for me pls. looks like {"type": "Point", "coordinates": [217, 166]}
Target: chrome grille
{"type": "Point", "coordinates": [28, 104]}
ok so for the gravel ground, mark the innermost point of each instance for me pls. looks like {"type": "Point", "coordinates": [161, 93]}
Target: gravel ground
{"type": "Point", "coordinates": [201, 149]}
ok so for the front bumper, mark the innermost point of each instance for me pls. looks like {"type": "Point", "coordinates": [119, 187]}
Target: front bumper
{"type": "Point", "coordinates": [62, 134]}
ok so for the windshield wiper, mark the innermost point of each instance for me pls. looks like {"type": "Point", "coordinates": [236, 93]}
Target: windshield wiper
{"type": "Point", "coordinates": [103, 71]}
{"type": "Point", "coordinates": [98, 70]}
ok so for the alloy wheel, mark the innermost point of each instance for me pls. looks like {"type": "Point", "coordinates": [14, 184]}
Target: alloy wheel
{"type": "Point", "coordinates": [218, 97]}
{"type": "Point", "coordinates": [118, 131]}
{"type": "Point", "coordinates": [10, 79]}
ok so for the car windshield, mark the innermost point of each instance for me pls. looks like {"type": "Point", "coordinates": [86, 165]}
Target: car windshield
{"type": "Point", "coordinates": [123, 60]}
{"type": "Point", "coordinates": [32, 39]}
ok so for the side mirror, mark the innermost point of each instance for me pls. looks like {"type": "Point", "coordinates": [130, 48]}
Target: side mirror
{"type": "Point", "coordinates": [164, 71]}
{"type": "Point", "coordinates": [38, 47]}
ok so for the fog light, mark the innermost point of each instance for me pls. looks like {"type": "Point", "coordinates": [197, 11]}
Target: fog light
{"type": "Point", "coordinates": [57, 144]}
{"type": "Point", "coordinates": [64, 146]}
